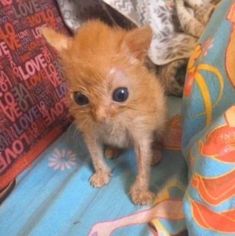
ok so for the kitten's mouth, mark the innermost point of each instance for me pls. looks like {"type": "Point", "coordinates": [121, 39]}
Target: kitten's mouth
{"type": "Point", "coordinates": [102, 120]}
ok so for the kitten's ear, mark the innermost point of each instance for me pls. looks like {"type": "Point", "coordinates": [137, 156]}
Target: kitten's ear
{"type": "Point", "coordinates": [137, 41]}
{"type": "Point", "coordinates": [57, 40]}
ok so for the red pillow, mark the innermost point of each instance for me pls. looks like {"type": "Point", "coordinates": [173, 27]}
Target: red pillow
{"type": "Point", "coordinates": [33, 110]}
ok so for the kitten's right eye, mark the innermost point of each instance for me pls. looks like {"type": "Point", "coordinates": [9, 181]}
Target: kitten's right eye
{"type": "Point", "coordinates": [80, 98]}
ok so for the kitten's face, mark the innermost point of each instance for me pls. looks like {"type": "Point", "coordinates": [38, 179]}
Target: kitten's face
{"type": "Point", "coordinates": [105, 99]}
{"type": "Point", "coordinates": [104, 69]}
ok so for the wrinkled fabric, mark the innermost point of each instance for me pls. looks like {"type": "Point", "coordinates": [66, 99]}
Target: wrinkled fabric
{"type": "Point", "coordinates": [170, 47]}
{"type": "Point", "coordinates": [209, 128]}
{"type": "Point", "coordinates": [54, 196]}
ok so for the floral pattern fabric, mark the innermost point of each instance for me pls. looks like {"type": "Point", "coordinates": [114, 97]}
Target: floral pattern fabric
{"type": "Point", "coordinates": [208, 128]}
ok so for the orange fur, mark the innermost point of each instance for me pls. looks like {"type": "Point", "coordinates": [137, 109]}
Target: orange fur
{"type": "Point", "coordinates": [96, 61]}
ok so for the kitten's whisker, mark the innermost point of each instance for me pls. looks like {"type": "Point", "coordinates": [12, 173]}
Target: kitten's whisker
{"type": "Point", "coordinates": [84, 122]}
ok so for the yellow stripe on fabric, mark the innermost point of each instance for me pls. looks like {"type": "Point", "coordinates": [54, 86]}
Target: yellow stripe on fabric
{"type": "Point", "coordinates": [206, 97]}
{"type": "Point", "coordinates": [158, 226]}
{"type": "Point", "coordinates": [215, 71]}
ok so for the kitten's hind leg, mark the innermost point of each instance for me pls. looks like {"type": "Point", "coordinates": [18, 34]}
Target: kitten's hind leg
{"type": "Point", "coordinates": [157, 157]}
{"type": "Point", "coordinates": [112, 152]}
{"type": "Point", "coordinates": [157, 153]}
{"type": "Point", "coordinates": [188, 22]}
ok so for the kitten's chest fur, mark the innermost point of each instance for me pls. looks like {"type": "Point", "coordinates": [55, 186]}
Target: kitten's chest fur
{"type": "Point", "coordinates": [114, 135]}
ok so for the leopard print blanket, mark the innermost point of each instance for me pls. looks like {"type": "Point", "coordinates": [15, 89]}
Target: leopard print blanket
{"type": "Point", "coordinates": [176, 24]}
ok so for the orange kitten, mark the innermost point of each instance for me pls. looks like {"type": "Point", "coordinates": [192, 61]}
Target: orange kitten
{"type": "Point", "coordinates": [115, 100]}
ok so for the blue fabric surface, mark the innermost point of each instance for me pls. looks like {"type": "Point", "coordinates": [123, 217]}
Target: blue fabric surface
{"type": "Point", "coordinates": [54, 197]}
{"type": "Point", "coordinates": [209, 128]}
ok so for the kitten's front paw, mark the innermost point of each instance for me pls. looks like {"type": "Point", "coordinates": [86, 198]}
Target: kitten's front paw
{"type": "Point", "coordinates": [141, 196]}
{"type": "Point", "coordinates": [100, 178]}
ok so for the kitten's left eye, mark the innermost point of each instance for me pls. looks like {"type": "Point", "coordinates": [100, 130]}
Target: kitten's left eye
{"type": "Point", "coordinates": [120, 94]}
{"type": "Point", "coordinates": [80, 98]}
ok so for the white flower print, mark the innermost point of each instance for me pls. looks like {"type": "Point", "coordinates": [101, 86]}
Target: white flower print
{"type": "Point", "coordinates": [62, 159]}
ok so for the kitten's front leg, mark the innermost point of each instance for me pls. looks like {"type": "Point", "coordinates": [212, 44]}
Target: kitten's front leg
{"type": "Point", "coordinates": [139, 192]}
{"type": "Point", "coordinates": [102, 172]}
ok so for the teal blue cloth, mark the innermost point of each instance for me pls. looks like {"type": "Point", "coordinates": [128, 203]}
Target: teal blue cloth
{"type": "Point", "coordinates": [208, 128]}
{"type": "Point", "coordinates": [51, 201]}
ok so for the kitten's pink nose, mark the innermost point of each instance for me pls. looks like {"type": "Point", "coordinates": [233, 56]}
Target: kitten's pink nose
{"type": "Point", "coordinates": [100, 115]}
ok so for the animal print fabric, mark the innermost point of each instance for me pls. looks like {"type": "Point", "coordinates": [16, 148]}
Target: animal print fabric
{"type": "Point", "coordinates": [75, 13]}
{"type": "Point", "coordinates": [166, 46]}
{"type": "Point", "coordinates": [176, 25]}
{"type": "Point", "coordinates": [173, 39]}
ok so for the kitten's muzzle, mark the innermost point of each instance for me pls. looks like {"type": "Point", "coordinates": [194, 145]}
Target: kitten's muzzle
{"type": "Point", "coordinates": [100, 115]}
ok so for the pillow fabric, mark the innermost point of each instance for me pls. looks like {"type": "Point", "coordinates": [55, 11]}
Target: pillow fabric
{"type": "Point", "coordinates": [33, 110]}
{"type": "Point", "coordinates": [209, 128]}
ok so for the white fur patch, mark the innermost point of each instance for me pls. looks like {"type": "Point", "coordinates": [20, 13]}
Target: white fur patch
{"type": "Point", "coordinates": [116, 73]}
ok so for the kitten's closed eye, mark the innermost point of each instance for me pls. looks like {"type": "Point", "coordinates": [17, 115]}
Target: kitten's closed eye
{"type": "Point", "coordinates": [80, 98]}
{"type": "Point", "coordinates": [120, 94]}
